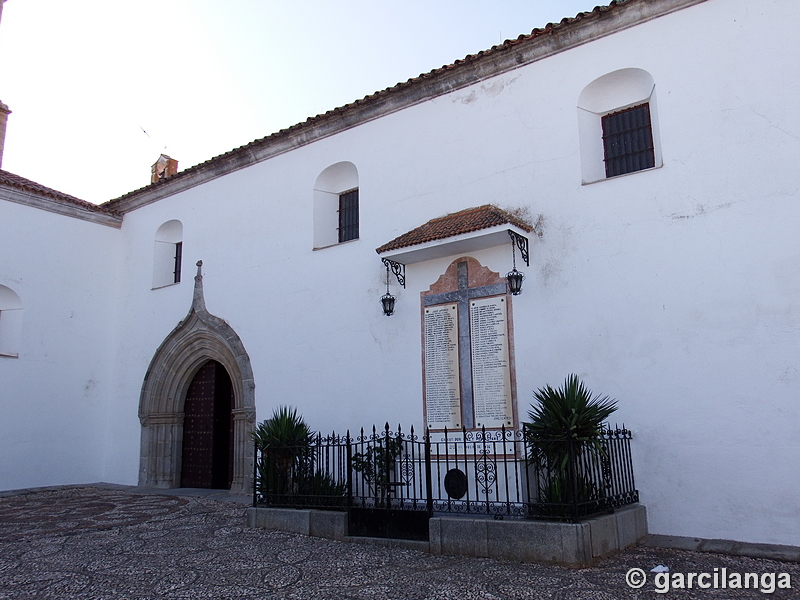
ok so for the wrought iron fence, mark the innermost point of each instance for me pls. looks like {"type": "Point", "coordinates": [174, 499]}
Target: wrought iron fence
{"type": "Point", "coordinates": [500, 473]}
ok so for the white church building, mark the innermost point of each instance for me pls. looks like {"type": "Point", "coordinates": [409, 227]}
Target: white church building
{"type": "Point", "coordinates": [646, 157]}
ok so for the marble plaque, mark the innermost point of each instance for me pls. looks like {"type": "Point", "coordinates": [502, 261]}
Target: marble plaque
{"type": "Point", "coordinates": [442, 386]}
{"type": "Point", "coordinates": [491, 374]}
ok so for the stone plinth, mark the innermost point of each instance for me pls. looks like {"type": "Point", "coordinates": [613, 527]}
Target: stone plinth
{"type": "Point", "coordinates": [570, 544]}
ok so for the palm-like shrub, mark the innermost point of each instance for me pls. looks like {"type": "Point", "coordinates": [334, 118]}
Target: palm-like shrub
{"type": "Point", "coordinates": [569, 412]}
{"type": "Point", "coordinates": [565, 423]}
{"type": "Point", "coordinates": [285, 428]}
{"type": "Point", "coordinates": [285, 444]}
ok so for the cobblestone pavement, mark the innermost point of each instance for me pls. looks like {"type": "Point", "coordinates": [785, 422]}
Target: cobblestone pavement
{"type": "Point", "coordinates": [96, 543]}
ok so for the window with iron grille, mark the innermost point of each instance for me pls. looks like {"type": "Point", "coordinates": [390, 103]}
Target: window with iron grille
{"type": "Point", "coordinates": [167, 254]}
{"type": "Point", "coordinates": [178, 256]}
{"type": "Point", "coordinates": [348, 216]}
{"type": "Point", "coordinates": [628, 141]}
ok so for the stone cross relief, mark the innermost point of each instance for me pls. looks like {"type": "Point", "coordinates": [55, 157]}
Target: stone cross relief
{"type": "Point", "coordinates": [467, 360]}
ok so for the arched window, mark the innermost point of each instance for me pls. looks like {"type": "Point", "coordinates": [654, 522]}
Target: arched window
{"type": "Point", "coordinates": [618, 125]}
{"type": "Point", "coordinates": [168, 254]}
{"type": "Point", "coordinates": [10, 322]}
{"type": "Point", "coordinates": [336, 212]}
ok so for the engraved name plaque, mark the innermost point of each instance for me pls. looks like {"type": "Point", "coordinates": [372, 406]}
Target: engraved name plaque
{"type": "Point", "coordinates": [442, 387]}
{"type": "Point", "coordinates": [467, 353]}
{"type": "Point", "coordinates": [491, 375]}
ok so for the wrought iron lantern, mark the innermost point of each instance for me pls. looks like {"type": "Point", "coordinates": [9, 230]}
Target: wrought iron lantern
{"type": "Point", "coordinates": [387, 300]}
{"type": "Point", "coordinates": [514, 277]}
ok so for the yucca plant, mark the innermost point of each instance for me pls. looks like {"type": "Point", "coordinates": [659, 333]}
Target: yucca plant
{"type": "Point", "coordinates": [285, 428]}
{"type": "Point", "coordinates": [569, 412]}
{"type": "Point", "coordinates": [565, 422]}
{"type": "Point", "coordinates": [285, 444]}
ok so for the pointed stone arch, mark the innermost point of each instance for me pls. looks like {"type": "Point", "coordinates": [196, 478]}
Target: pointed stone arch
{"type": "Point", "coordinates": [198, 338]}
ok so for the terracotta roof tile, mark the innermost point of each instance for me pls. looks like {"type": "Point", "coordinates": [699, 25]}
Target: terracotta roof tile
{"type": "Point", "coordinates": [26, 185]}
{"type": "Point", "coordinates": [506, 46]}
{"type": "Point", "coordinates": [463, 221]}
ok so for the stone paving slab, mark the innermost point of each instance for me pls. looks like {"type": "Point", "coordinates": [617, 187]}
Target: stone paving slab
{"type": "Point", "coordinates": [93, 543]}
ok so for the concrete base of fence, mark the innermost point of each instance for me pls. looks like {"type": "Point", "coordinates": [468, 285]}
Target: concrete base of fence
{"type": "Point", "coordinates": [328, 524]}
{"type": "Point", "coordinates": [571, 544]}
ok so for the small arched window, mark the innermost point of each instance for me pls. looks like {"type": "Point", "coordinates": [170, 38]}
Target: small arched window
{"type": "Point", "coordinates": [10, 322]}
{"type": "Point", "coordinates": [336, 205]}
{"type": "Point", "coordinates": [618, 125]}
{"type": "Point", "coordinates": [168, 254]}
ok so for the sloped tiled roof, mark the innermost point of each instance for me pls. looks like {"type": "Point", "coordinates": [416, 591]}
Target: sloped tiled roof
{"type": "Point", "coordinates": [457, 223]}
{"type": "Point", "coordinates": [243, 155]}
{"type": "Point", "coordinates": [26, 185]}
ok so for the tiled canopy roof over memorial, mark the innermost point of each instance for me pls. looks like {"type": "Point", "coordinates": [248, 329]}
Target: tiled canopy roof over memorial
{"type": "Point", "coordinates": [457, 223]}
{"type": "Point", "coordinates": [460, 232]}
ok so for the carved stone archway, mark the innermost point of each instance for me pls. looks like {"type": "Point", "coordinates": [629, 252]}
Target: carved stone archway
{"type": "Point", "coordinates": [200, 337]}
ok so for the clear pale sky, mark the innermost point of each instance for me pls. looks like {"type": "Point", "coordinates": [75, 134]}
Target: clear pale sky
{"type": "Point", "coordinates": [85, 79]}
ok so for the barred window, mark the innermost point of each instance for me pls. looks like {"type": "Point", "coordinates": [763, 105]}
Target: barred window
{"type": "Point", "coordinates": [168, 254]}
{"type": "Point", "coordinates": [628, 141]}
{"type": "Point", "coordinates": [348, 216]}
{"type": "Point", "coordinates": [178, 259]}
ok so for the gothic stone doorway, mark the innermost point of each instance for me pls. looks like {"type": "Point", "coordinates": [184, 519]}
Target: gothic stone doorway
{"type": "Point", "coordinates": [198, 339]}
{"type": "Point", "coordinates": [207, 456]}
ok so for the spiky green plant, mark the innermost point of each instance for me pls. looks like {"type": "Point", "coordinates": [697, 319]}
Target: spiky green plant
{"type": "Point", "coordinates": [284, 429]}
{"type": "Point", "coordinates": [565, 422]}
{"type": "Point", "coordinates": [569, 412]}
{"type": "Point", "coordinates": [320, 489]}
{"type": "Point", "coordinates": [285, 444]}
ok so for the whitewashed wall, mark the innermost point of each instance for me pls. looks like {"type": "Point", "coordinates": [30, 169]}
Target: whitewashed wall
{"type": "Point", "coordinates": [675, 290]}
{"type": "Point", "coordinates": [54, 396]}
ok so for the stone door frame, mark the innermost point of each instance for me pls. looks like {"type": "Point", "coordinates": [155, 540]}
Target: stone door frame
{"type": "Point", "coordinates": [198, 338]}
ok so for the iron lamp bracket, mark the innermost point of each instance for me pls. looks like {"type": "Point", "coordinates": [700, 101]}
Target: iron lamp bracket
{"type": "Point", "coordinates": [399, 270]}
{"type": "Point", "coordinates": [520, 242]}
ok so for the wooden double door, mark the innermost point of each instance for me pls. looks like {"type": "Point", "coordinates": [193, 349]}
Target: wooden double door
{"type": "Point", "coordinates": [207, 455]}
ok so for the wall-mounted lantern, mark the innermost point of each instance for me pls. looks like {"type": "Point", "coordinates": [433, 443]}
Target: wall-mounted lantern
{"type": "Point", "coordinates": [399, 270]}
{"type": "Point", "coordinates": [387, 300]}
{"type": "Point", "coordinates": [514, 277]}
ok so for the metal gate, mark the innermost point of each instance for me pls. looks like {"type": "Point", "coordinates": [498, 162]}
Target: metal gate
{"type": "Point", "coordinates": [391, 492]}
